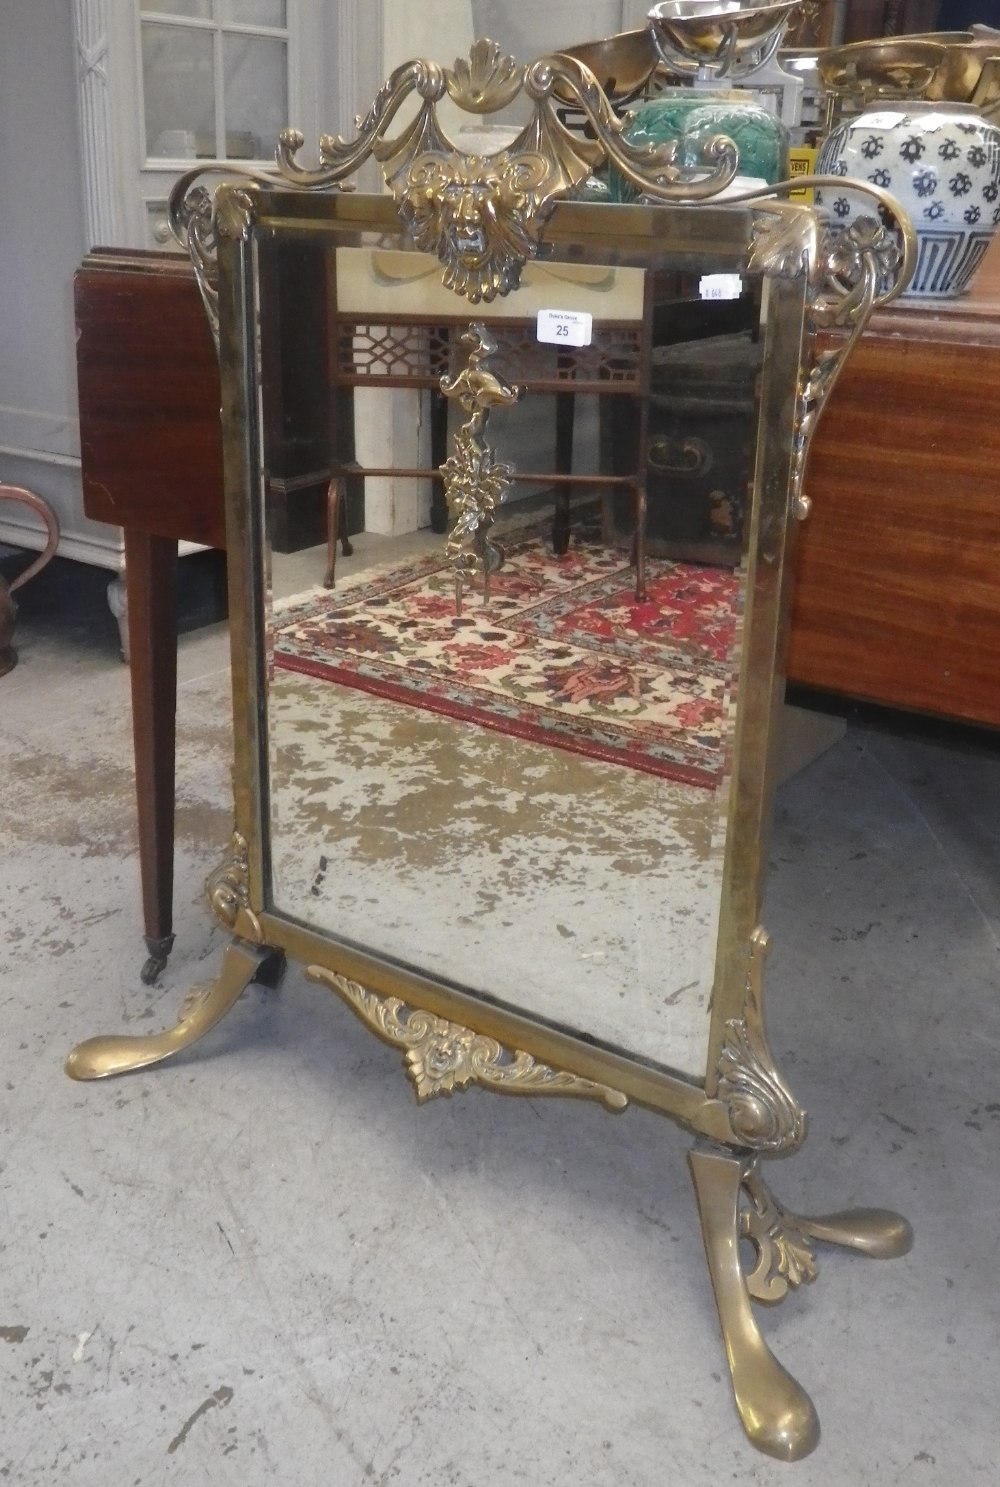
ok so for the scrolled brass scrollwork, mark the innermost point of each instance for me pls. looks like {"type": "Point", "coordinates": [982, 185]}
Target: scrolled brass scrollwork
{"type": "Point", "coordinates": [228, 890]}
{"type": "Point", "coordinates": [852, 270]}
{"type": "Point", "coordinates": [481, 214]}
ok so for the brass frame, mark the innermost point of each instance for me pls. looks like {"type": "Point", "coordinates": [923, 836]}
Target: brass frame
{"type": "Point", "coordinates": [450, 1037]}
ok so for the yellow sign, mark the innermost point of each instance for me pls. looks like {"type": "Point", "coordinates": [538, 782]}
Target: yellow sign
{"type": "Point", "coordinates": [802, 162]}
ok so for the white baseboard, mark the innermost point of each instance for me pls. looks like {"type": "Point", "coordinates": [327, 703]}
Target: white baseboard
{"type": "Point", "coordinates": [99, 552]}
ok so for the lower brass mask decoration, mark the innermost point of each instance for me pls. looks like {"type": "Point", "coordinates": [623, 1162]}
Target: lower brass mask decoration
{"type": "Point", "coordinates": [475, 212]}
{"type": "Point", "coordinates": [443, 1056]}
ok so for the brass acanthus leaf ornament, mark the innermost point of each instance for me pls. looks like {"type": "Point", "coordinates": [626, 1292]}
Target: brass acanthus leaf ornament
{"type": "Point", "coordinates": [763, 1114]}
{"type": "Point", "coordinates": [784, 1256]}
{"type": "Point", "coordinates": [228, 890]}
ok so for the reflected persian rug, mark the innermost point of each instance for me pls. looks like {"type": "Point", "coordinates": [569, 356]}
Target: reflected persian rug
{"type": "Point", "coordinates": [562, 655]}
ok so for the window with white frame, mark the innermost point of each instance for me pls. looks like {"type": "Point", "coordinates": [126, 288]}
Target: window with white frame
{"type": "Point", "coordinates": [215, 79]}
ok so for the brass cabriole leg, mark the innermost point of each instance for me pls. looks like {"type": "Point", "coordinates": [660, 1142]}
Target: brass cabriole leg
{"type": "Point", "coordinates": [777, 1413]}
{"type": "Point", "coordinates": [735, 1202]}
{"type": "Point", "coordinates": [242, 963]}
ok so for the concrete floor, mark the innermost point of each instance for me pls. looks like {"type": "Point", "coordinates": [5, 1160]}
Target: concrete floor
{"type": "Point", "coordinates": [264, 1263]}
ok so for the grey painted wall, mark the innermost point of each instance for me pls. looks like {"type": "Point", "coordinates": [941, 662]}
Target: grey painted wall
{"type": "Point", "coordinates": [41, 244]}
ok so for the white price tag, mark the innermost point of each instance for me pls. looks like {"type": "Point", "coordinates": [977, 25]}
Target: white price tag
{"type": "Point", "coordinates": [720, 286]}
{"type": "Point", "coordinates": [565, 327]}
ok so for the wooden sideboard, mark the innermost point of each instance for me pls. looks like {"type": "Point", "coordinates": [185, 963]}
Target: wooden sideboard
{"type": "Point", "coordinates": [897, 597]}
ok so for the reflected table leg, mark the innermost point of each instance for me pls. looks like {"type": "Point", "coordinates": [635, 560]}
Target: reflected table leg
{"type": "Point", "coordinates": [336, 528]}
{"type": "Point", "coordinates": [565, 418]}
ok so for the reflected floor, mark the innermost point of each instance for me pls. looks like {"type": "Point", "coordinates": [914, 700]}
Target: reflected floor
{"type": "Point", "coordinates": [543, 878]}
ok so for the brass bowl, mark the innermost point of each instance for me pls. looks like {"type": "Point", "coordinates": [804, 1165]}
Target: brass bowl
{"type": "Point", "coordinates": [885, 67]}
{"type": "Point", "coordinates": [703, 31]}
{"type": "Point", "coordinates": [622, 64]}
{"type": "Point", "coordinates": [959, 78]}
{"type": "Point", "coordinates": [987, 94]}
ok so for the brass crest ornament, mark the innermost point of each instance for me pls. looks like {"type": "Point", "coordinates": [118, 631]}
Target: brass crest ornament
{"type": "Point", "coordinates": [483, 214]}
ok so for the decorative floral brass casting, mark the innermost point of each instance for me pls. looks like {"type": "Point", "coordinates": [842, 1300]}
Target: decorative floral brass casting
{"type": "Point", "coordinates": [443, 1056]}
{"type": "Point", "coordinates": [863, 265]}
{"type": "Point", "coordinates": [474, 482]}
{"type": "Point", "coordinates": [762, 1113]}
{"type": "Point", "coordinates": [784, 1256]}
{"type": "Point", "coordinates": [854, 269]}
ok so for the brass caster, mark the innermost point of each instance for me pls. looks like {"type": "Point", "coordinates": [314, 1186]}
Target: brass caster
{"type": "Point", "coordinates": [159, 952]}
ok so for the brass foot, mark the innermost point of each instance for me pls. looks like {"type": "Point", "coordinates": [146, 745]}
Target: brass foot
{"type": "Point", "coordinates": [783, 1240]}
{"type": "Point", "coordinates": [98, 1058]}
{"type": "Point", "coordinates": [876, 1232]}
{"type": "Point", "coordinates": [777, 1414]}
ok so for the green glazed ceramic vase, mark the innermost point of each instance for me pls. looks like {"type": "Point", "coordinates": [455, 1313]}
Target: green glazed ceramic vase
{"type": "Point", "coordinates": [691, 117]}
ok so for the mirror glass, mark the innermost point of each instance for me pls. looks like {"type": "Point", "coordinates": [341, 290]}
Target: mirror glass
{"type": "Point", "coordinates": [522, 792]}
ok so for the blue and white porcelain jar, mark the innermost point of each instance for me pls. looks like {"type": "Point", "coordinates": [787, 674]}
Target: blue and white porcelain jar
{"type": "Point", "coordinates": [941, 161]}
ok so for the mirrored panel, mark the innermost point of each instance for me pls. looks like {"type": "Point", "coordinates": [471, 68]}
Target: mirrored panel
{"type": "Point", "coordinates": [499, 742]}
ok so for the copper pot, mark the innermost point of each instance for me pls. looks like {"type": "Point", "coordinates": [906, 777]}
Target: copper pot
{"type": "Point", "coordinates": [8, 614]}
{"type": "Point", "coordinates": [8, 609]}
